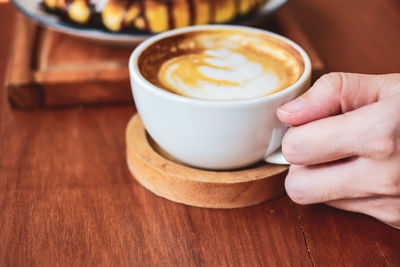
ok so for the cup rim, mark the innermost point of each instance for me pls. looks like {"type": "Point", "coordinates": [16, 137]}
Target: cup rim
{"type": "Point", "coordinates": [138, 77]}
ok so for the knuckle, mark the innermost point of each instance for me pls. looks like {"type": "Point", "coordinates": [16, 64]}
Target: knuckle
{"type": "Point", "coordinates": [385, 145]}
{"type": "Point", "coordinates": [390, 186]}
{"type": "Point", "coordinates": [294, 188]}
{"type": "Point", "coordinates": [391, 81]}
{"type": "Point", "coordinates": [333, 80]}
{"type": "Point", "coordinates": [382, 136]}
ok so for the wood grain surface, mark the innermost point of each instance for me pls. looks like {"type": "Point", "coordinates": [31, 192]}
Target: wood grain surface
{"type": "Point", "coordinates": [67, 198]}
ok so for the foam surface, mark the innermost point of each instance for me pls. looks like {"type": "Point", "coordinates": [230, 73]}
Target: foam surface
{"type": "Point", "coordinates": [222, 65]}
{"type": "Point", "coordinates": [224, 75]}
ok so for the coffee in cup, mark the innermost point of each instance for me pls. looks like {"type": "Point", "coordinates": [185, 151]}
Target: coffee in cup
{"type": "Point", "coordinates": [221, 64]}
{"type": "Point", "coordinates": [208, 95]}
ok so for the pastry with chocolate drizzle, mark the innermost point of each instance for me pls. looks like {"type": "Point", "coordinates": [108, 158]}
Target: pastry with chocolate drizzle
{"type": "Point", "coordinates": [150, 15]}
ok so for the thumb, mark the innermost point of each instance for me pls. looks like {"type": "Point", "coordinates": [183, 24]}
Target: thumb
{"type": "Point", "coordinates": [336, 93]}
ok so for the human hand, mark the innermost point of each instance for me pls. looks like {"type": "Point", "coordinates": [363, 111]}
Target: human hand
{"type": "Point", "coordinates": [344, 145]}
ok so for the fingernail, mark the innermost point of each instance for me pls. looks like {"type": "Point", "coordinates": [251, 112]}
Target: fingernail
{"type": "Point", "coordinates": [292, 106]}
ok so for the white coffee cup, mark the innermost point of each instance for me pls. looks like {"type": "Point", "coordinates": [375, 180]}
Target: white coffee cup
{"type": "Point", "coordinates": [214, 134]}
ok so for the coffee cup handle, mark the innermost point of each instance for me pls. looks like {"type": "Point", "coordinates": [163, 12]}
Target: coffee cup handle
{"type": "Point", "coordinates": [276, 157]}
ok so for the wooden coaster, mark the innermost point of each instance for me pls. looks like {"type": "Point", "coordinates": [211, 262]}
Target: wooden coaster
{"type": "Point", "coordinates": [159, 173]}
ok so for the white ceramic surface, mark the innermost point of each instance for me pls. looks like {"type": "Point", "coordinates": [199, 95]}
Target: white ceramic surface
{"type": "Point", "coordinates": [31, 8]}
{"type": "Point", "coordinates": [213, 134]}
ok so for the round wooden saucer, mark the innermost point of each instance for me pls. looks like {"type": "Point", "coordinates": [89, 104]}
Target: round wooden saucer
{"type": "Point", "coordinates": [154, 169]}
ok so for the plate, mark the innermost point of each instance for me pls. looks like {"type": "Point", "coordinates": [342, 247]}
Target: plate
{"type": "Point", "coordinates": [31, 8]}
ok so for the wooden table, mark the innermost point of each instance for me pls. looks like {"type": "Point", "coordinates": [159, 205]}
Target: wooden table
{"type": "Point", "coordinates": [67, 198]}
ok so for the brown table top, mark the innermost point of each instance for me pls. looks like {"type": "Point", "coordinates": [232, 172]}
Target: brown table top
{"type": "Point", "coordinates": [67, 197]}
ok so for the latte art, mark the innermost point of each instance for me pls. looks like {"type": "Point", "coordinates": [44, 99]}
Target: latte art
{"type": "Point", "coordinates": [218, 74]}
{"type": "Point", "coordinates": [225, 65]}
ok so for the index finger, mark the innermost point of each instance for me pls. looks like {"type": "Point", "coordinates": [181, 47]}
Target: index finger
{"type": "Point", "coordinates": [337, 93]}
